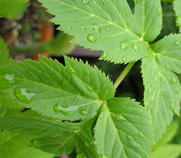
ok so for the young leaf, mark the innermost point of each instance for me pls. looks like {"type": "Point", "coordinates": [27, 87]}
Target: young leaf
{"type": "Point", "coordinates": [177, 6]}
{"type": "Point", "coordinates": [12, 8]}
{"type": "Point", "coordinates": [50, 88]}
{"type": "Point", "coordinates": [123, 130]}
{"type": "Point", "coordinates": [4, 53]}
{"type": "Point", "coordinates": [109, 25]}
{"type": "Point", "coordinates": [162, 87]}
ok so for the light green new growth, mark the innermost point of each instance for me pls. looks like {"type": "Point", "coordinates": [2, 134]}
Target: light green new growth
{"type": "Point", "coordinates": [11, 8]}
{"type": "Point", "coordinates": [109, 25]}
{"type": "Point", "coordinates": [162, 87]}
{"type": "Point", "coordinates": [177, 6]}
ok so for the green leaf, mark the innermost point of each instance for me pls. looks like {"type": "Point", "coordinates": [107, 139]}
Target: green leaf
{"type": "Point", "coordinates": [167, 151]}
{"type": "Point", "coordinates": [37, 127]}
{"type": "Point", "coordinates": [177, 6]}
{"type": "Point", "coordinates": [85, 146]}
{"type": "Point", "coordinates": [57, 145]}
{"type": "Point", "coordinates": [109, 25]}
{"type": "Point", "coordinates": [168, 135]}
{"type": "Point", "coordinates": [64, 143]}
{"type": "Point", "coordinates": [50, 88]}
{"type": "Point", "coordinates": [4, 53]}
{"type": "Point", "coordinates": [162, 88]}
{"type": "Point", "coordinates": [123, 130]}
{"type": "Point", "coordinates": [17, 146]}
{"type": "Point", "coordinates": [12, 8]}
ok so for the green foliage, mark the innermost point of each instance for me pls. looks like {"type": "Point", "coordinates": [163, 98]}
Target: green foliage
{"type": "Point", "coordinates": [123, 130]}
{"type": "Point", "coordinates": [12, 8]}
{"type": "Point", "coordinates": [162, 87]}
{"type": "Point", "coordinates": [121, 116]}
{"type": "Point", "coordinates": [109, 25]}
{"type": "Point", "coordinates": [167, 151]}
{"type": "Point", "coordinates": [177, 6]}
{"type": "Point", "coordinates": [17, 146]}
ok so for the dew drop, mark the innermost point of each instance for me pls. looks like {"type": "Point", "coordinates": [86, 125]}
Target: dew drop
{"type": "Point", "coordinates": [167, 67]}
{"type": "Point", "coordinates": [177, 43]}
{"type": "Point", "coordinates": [173, 80]}
{"type": "Point", "coordinates": [135, 47]}
{"type": "Point", "coordinates": [83, 28]}
{"type": "Point", "coordinates": [87, 72]}
{"type": "Point", "coordinates": [107, 29]}
{"type": "Point", "coordinates": [129, 138]}
{"type": "Point", "coordinates": [123, 59]}
{"type": "Point", "coordinates": [9, 78]}
{"type": "Point", "coordinates": [29, 72]}
{"type": "Point", "coordinates": [96, 28]}
{"type": "Point", "coordinates": [178, 90]}
{"type": "Point", "coordinates": [104, 55]}
{"type": "Point", "coordinates": [70, 69]}
{"type": "Point", "coordinates": [23, 95]}
{"type": "Point", "coordinates": [179, 20]}
{"type": "Point", "coordinates": [92, 15]}
{"type": "Point", "coordinates": [86, 144]}
{"type": "Point", "coordinates": [85, 1]}
{"type": "Point", "coordinates": [69, 28]}
{"type": "Point", "coordinates": [58, 108]}
{"type": "Point", "coordinates": [91, 38]}
{"type": "Point", "coordinates": [123, 46]}
{"type": "Point", "coordinates": [83, 111]}
{"type": "Point", "coordinates": [160, 12]}
{"type": "Point", "coordinates": [120, 118]}
{"type": "Point", "coordinates": [103, 2]}
{"type": "Point", "coordinates": [101, 115]}
{"type": "Point", "coordinates": [138, 1]}
{"type": "Point", "coordinates": [128, 13]}
{"type": "Point", "coordinates": [141, 134]}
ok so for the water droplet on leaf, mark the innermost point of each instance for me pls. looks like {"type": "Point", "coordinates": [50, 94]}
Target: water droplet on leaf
{"type": "Point", "coordinates": [91, 38]}
{"type": "Point", "coordinates": [107, 29]}
{"type": "Point", "coordinates": [173, 80]}
{"type": "Point", "coordinates": [104, 55]}
{"type": "Point", "coordinates": [23, 95]}
{"type": "Point", "coordinates": [96, 28]}
{"type": "Point", "coordinates": [101, 115]}
{"type": "Point", "coordinates": [177, 43]}
{"type": "Point", "coordinates": [69, 28]}
{"type": "Point", "coordinates": [120, 118]}
{"type": "Point", "coordinates": [179, 20]}
{"type": "Point", "coordinates": [85, 1]}
{"type": "Point", "coordinates": [160, 12]}
{"type": "Point", "coordinates": [123, 59]}
{"type": "Point", "coordinates": [123, 45]}
{"type": "Point", "coordinates": [103, 2]}
{"type": "Point", "coordinates": [141, 134]}
{"type": "Point", "coordinates": [58, 108]}
{"type": "Point", "coordinates": [83, 111]}
{"type": "Point", "coordinates": [9, 78]}
{"type": "Point", "coordinates": [135, 47]}
{"type": "Point", "coordinates": [83, 28]}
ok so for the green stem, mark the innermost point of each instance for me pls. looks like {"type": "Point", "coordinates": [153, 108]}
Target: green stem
{"type": "Point", "coordinates": [123, 74]}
